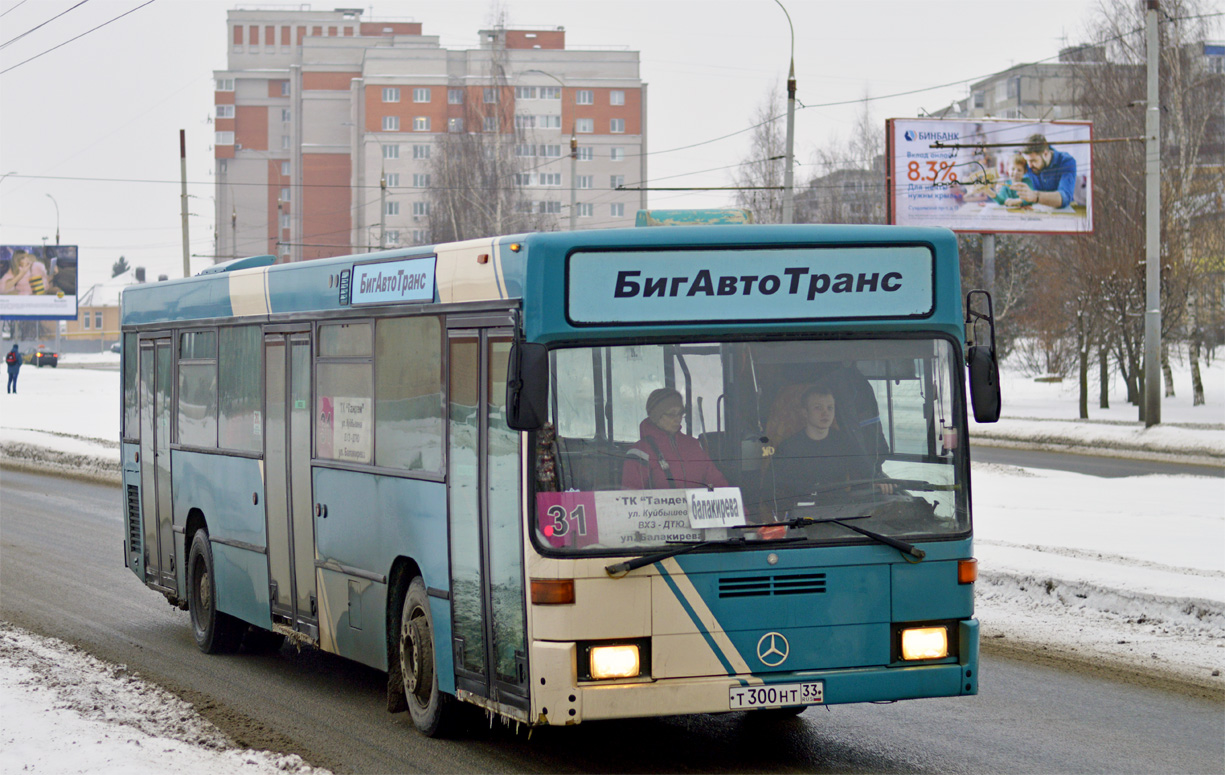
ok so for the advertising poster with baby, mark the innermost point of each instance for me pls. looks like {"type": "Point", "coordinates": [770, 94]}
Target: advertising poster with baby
{"type": "Point", "coordinates": [38, 282]}
{"type": "Point", "coordinates": [990, 176]}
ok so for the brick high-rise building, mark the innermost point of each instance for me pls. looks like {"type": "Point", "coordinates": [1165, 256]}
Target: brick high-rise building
{"type": "Point", "coordinates": [318, 109]}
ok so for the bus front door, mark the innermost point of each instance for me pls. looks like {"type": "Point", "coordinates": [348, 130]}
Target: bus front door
{"type": "Point", "coordinates": [155, 393]}
{"type": "Point", "coordinates": [287, 472]}
{"type": "Point", "coordinates": [487, 595]}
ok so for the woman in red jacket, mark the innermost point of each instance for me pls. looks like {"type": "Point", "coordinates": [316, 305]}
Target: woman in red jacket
{"type": "Point", "coordinates": [664, 458]}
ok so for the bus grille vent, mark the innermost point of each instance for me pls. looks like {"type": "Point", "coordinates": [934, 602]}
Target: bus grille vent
{"type": "Point", "coordinates": [134, 518]}
{"type": "Point", "coordinates": [765, 586]}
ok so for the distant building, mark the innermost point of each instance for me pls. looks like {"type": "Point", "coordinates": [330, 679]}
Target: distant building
{"type": "Point", "coordinates": [98, 313]}
{"type": "Point", "coordinates": [315, 107]}
{"type": "Point", "coordinates": [1043, 91]}
{"type": "Point", "coordinates": [849, 195]}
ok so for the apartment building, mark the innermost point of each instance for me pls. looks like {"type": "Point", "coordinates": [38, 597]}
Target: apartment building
{"type": "Point", "coordinates": [328, 126]}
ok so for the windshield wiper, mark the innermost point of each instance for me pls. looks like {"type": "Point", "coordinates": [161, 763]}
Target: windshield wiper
{"type": "Point", "coordinates": [618, 569]}
{"type": "Point", "coordinates": [903, 484]}
{"type": "Point", "coordinates": [901, 546]}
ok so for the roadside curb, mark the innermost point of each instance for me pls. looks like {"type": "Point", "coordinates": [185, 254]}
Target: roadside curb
{"type": "Point", "coordinates": [1105, 666]}
{"type": "Point", "coordinates": [1131, 453]}
{"type": "Point", "coordinates": [41, 460]}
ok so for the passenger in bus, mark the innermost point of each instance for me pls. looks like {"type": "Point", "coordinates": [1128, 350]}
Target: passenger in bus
{"type": "Point", "coordinates": [665, 458]}
{"type": "Point", "coordinates": [822, 455]}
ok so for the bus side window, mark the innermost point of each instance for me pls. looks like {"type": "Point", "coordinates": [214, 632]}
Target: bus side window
{"type": "Point", "coordinates": [408, 394]}
{"type": "Point", "coordinates": [197, 415]}
{"type": "Point", "coordinates": [240, 377]}
{"type": "Point", "coordinates": [344, 391]}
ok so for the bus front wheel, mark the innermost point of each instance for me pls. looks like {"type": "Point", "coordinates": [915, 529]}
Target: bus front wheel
{"type": "Point", "coordinates": [431, 710]}
{"type": "Point", "coordinates": [216, 632]}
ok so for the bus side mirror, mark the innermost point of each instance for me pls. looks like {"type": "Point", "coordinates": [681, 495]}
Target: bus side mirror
{"type": "Point", "coordinates": [527, 386]}
{"type": "Point", "coordinates": [981, 361]}
{"type": "Point", "coordinates": [984, 383]}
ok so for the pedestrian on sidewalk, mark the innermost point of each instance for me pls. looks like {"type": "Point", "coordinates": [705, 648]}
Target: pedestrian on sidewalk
{"type": "Point", "coordinates": [13, 360]}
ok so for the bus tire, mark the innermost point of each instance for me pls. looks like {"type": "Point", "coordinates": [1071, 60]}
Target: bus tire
{"type": "Point", "coordinates": [431, 710]}
{"type": "Point", "coordinates": [216, 632]}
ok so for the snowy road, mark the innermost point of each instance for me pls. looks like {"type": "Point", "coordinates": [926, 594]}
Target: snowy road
{"type": "Point", "coordinates": [62, 576]}
{"type": "Point", "coordinates": [1126, 576]}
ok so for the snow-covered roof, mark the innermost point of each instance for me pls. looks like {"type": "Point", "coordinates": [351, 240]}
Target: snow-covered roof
{"type": "Point", "coordinates": [106, 294]}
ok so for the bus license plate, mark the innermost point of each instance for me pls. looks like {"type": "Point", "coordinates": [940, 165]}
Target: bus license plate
{"type": "Point", "coordinates": [776, 695]}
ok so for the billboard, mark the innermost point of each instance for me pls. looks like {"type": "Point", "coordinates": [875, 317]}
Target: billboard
{"type": "Point", "coordinates": [38, 282]}
{"type": "Point", "coordinates": [991, 175]}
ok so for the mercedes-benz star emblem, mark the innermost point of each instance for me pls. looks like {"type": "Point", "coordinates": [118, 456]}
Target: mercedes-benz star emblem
{"type": "Point", "coordinates": [773, 649]}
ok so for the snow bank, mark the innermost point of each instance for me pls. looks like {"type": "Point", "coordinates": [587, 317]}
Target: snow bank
{"type": "Point", "coordinates": [1129, 570]}
{"type": "Point", "coordinates": [61, 710]}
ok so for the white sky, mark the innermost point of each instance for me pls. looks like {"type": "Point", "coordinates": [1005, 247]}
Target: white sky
{"type": "Point", "coordinates": [109, 105]}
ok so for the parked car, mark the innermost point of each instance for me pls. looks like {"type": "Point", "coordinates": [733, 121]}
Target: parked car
{"type": "Point", "coordinates": [116, 347]}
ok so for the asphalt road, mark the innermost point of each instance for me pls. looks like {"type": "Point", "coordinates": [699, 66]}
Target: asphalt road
{"type": "Point", "coordinates": [62, 575]}
{"type": "Point", "coordinates": [1094, 465]}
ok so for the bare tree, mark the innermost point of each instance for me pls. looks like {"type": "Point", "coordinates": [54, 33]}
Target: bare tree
{"type": "Point", "coordinates": [847, 182]}
{"type": "Point", "coordinates": [479, 167]}
{"type": "Point", "coordinates": [1106, 267]}
{"type": "Point", "coordinates": [765, 164]}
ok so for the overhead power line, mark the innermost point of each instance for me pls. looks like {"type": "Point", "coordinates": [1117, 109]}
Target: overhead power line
{"type": "Point", "coordinates": [14, 8]}
{"type": "Point", "coordinates": [10, 41]}
{"type": "Point", "coordinates": [78, 37]}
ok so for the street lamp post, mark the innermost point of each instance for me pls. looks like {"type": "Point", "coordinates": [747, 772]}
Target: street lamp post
{"type": "Point", "coordinates": [573, 153]}
{"type": "Point", "coordinates": [57, 219]}
{"type": "Point", "coordinates": [788, 172]}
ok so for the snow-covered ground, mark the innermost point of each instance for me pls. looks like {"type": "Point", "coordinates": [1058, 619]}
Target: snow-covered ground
{"type": "Point", "coordinates": [1128, 573]}
{"type": "Point", "coordinates": [62, 711]}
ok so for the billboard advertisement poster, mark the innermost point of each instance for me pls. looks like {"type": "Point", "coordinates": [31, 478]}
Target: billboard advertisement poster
{"type": "Point", "coordinates": [38, 282]}
{"type": "Point", "coordinates": [992, 176]}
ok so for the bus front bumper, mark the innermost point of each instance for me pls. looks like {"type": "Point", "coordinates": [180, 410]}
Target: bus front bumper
{"type": "Point", "coordinates": [560, 702]}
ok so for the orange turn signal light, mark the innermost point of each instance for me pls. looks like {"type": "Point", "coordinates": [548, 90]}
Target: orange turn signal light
{"type": "Point", "coordinates": [967, 571]}
{"type": "Point", "coordinates": [552, 591]}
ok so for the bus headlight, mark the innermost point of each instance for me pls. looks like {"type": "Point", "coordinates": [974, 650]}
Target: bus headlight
{"type": "Point", "coordinates": [620, 661]}
{"type": "Point", "coordinates": [925, 643]}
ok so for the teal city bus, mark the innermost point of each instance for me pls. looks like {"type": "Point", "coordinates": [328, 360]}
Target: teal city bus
{"type": "Point", "coordinates": [435, 461]}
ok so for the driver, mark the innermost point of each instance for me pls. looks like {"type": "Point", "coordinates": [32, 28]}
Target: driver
{"type": "Point", "coordinates": [822, 454]}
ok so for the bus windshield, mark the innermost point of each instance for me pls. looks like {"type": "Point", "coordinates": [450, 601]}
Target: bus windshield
{"type": "Point", "coordinates": [651, 445]}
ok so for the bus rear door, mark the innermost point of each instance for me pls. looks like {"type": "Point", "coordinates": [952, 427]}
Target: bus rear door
{"type": "Point", "coordinates": [156, 390]}
{"type": "Point", "coordinates": [287, 473]}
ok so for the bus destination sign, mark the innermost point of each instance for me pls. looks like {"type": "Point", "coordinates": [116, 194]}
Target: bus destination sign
{"type": "Point", "coordinates": [688, 286]}
{"type": "Point", "coordinates": [394, 282]}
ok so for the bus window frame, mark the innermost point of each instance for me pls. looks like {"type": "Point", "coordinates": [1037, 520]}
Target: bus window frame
{"type": "Point", "coordinates": [959, 413]}
{"type": "Point", "coordinates": [176, 360]}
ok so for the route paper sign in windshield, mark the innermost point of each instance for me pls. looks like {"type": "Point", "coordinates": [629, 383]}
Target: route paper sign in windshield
{"type": "Point", "coordinates": [579, 519]}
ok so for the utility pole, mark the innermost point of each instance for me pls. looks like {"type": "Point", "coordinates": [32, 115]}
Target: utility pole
{"type": "Point", "coordinates": [1151, 411]}
{"type": "Point", "coordinates": [233, 231]}
{"type": "Point", "coordinates": [382, 209]}
{"type": "Point", "coordinates": [573, 180]}
{"type": "Point", "coordinates": [789, 171]}
{"type": "Point", "coordinates": [183, 200]}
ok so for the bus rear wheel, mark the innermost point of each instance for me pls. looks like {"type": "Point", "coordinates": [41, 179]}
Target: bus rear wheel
{"type": "Point", "coordinates": [216, 632]}
{"type": "Point", "coordinates": [431, 710]}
